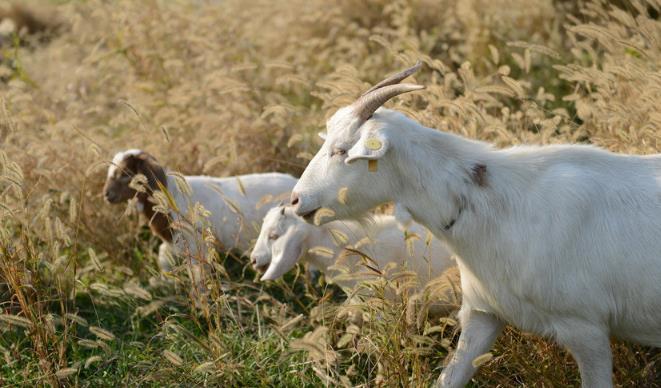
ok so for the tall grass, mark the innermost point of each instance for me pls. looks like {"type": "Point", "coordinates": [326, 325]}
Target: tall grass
{"type": "Point", "coordinates": [232, 87]}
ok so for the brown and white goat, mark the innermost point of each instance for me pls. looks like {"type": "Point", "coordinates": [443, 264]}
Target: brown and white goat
{"type": "Point", "coordinates": [232, 205]}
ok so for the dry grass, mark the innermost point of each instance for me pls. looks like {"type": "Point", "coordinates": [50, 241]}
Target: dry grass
{"type": "Point", "coordinates": [232, 87]}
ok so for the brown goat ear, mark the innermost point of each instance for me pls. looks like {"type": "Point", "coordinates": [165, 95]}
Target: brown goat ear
{"type": "Point", "coordinates": [130, 164]}
{"type": "Point", "coordinates": [149, 167]}
{"type": "Point", "coordinates": [134, 160]}
{"type": "Point", "coordinates": [143, 155]}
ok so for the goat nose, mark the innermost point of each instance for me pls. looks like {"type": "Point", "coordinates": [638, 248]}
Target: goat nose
{"type": "Point", "coordinates": [258, 268]}
{"type": "Point", "coordinates": [295, 199]}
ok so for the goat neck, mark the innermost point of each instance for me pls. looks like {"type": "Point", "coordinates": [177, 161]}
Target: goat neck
{"type": "Point", "coordinates": [159, 223]}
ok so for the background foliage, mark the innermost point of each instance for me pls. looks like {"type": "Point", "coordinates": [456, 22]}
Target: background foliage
{"type": "Point", "coordinates": [229, 87]}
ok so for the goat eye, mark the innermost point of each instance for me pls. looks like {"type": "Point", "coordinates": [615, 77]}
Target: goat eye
{"type": "Point", "coordinates": [273, 236]}
{"type": "Point", "coordinates": [338, 152]}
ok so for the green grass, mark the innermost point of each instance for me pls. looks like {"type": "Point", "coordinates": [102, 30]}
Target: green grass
{"type": "Point", "coordinates": [251, 355]}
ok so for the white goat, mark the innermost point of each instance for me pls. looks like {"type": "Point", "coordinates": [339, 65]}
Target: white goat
{"type": "Point", "coordinates": [286, 238]}
{"type": "Point", "coordinates": [233, 203]}
{"type": "Point", "coordinates": [563, 241]}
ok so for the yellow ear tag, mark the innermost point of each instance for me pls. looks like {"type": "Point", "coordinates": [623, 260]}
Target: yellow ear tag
{"type": "Point", "coordinates": [372, 164]}
{"type": "Point", "coordinates": [373, 144]}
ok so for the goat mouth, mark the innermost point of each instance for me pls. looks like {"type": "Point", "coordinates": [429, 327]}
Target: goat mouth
{"type": "Point", "coordinates": [261, 268]}
{"type": "Point", "coordinates": [309, 216]}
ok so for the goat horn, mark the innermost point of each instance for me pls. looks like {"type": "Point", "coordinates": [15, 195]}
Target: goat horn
{"type": "Point", "coordinates": [365, 106]}
{"type": "Point", "coordinates": [395, 78]}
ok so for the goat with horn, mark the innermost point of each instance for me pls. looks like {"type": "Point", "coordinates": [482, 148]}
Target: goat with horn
{"type": "Point", "coordinates": [559, 240]}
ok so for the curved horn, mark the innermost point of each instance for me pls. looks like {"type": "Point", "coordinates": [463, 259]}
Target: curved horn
{"type": "Point", "coordinates": [365, 106]}
{"type": "Point", "coordinates": [395, 78]}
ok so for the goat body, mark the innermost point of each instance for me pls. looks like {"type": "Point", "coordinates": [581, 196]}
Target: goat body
{"type": "Point", "coordinates": [381, 238]}
{"type": "Point", "coordinates": [233, 203]}
{"type": "Point", "coordinates": [286, 239]}
{"type": "Point", "coordinates": [563, 241]}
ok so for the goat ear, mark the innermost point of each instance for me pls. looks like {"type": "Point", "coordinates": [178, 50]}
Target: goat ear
{"type": "Point", "coordinates": [144, 155]}
{"type": "Point", "coordinates": [286, 252]}
{"type": "Point", "coordinates": [137, 162]}
{"type": "Point", "coordinates": [371, 146]}
{"type": "Point", "coordinates": [147, 166]}
{"type": "Point", "coordinates": [322, 135]}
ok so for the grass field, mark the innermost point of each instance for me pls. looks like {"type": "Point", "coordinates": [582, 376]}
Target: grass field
{"type": "Point", "coordinates": [229, 87]}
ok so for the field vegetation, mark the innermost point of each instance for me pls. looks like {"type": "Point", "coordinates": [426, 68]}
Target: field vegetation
{"type": "Point", "coordinates": [229, 87]}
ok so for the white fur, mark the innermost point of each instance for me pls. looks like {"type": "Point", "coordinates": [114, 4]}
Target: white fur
{"type": "Point", "coordinates": [563, 241]}
{"type": "Point", "coordinates": [234, 231]}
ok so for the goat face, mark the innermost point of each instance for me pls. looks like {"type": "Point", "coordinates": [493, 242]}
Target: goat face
{"type": "Point", "coordinates": [350, 173]}
{"type": "Point", "coordinates": [353, 170]}
{"type": "Point", "coordinates": [280, 243]}
{"type": "Point", "coordinates": [126, 165]}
